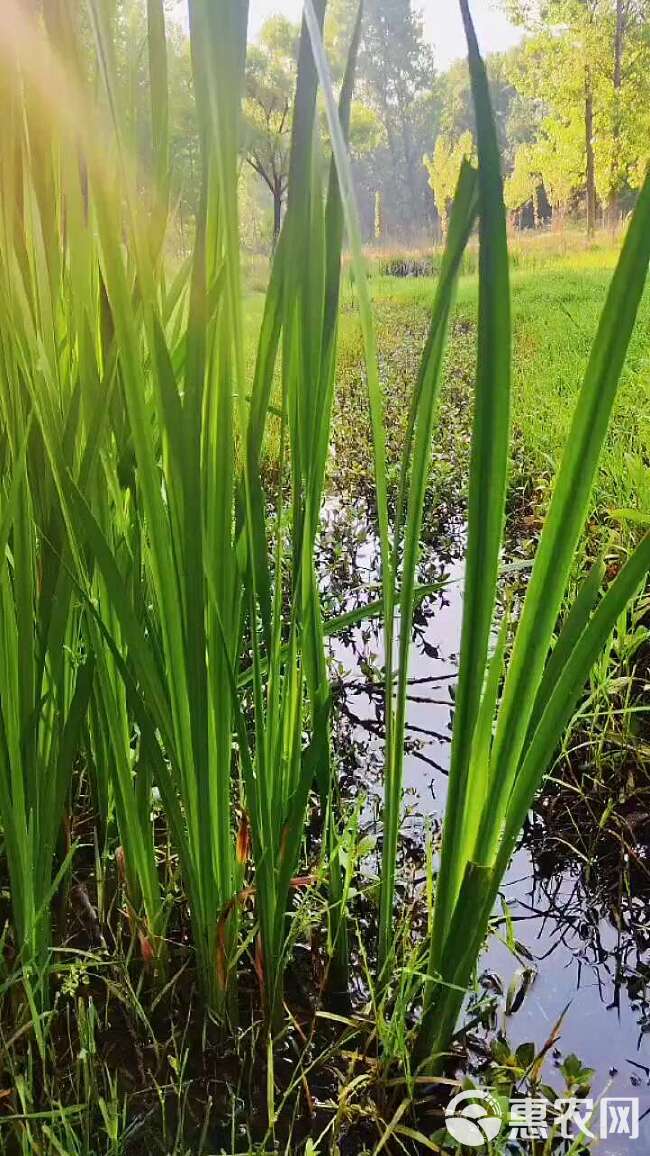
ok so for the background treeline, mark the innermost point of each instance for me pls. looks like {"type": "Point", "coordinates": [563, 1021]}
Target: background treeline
{"type": "Point", "coordinates": [572, 103]}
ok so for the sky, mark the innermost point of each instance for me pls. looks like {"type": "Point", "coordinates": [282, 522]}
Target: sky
{"type": "Point", "coordinates": [442, 23]}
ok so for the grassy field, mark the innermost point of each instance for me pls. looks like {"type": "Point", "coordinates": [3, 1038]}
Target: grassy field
{"type": "Point", "coordinates": [557, 297]}
{"type": "Point", "coordinates": [559, 285]}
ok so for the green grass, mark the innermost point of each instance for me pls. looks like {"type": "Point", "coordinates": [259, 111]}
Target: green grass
{"type": "Point", "coordinates": [556, 305]}
{"type": "Point", "coordinates": [508, 718]}
{"type": "Point", "coordinates": [159, 597]}
{"type": "Point", "coordinates": [527, 251]}
{"type": "Point", "coordinates": [555, 311]}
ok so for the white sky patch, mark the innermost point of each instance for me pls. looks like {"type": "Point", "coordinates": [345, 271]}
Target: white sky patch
{"type": "Point", "coordinates": [442, 23]}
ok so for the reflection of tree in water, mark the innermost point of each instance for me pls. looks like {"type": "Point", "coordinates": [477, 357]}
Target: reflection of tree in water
{"type": "Point", "coordinates": [599, 917]}
{"type": "Point", "coordinates": [586, 907]}
{"type": "Point", "coordinates": [349, 691]}
{"type": "Point", "coordinates": [349, 565]}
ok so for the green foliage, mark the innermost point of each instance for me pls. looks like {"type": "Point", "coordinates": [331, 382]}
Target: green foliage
{"type": "Point", "coordinates": [159, 601]}
{"type": "Point", "coordinates": [580, 54]}
{"type": "Point", "coordinates": [444, 168]}
{"type": "Point", "coordinates": [505, 729]}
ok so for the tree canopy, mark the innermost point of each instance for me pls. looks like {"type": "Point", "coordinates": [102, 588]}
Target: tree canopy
{"type": "Point", "coordinates": [572, 107]}
{"type": "Point", "coordinates": [589, 60]}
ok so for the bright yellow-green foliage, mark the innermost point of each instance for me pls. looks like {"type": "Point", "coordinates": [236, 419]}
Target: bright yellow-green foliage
{"type": "Point", "coordinates": [443, 169]}
{"type": "Point", "coordinates": [521, 185]}
{"type": "Point", "coordinates": [600, 52]}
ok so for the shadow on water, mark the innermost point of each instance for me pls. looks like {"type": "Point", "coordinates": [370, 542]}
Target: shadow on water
{"type": "Point", "coordinates": [578, 950]}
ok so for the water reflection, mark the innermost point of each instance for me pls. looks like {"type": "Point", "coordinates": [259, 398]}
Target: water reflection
{"type": "Point", "coordinates": [584, 950]}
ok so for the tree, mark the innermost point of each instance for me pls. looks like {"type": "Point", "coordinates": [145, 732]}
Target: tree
{"type": "Point", "coordinates": [627, 101]}
{"type": "Point", "coordinates": [557, 154]}
{"type": "Point", "coordinates": [396, 79]}
{"type": "Point", "coordinates": [590, 61]}
{"type": "Point", "coordinates": [565, 51]}
{"type": "Point", "coordinates": [444, 169]}
{"type": "Point", "coordinates": [521, 187]}
{"type": "Point", "coordinates": [557, 149]}
{"type": "Point", "coordinates": [268, 108]}
{"type": "Point", "coordinates": [517, 119]}
{"type": "Point", "coordinates": [517, 116]}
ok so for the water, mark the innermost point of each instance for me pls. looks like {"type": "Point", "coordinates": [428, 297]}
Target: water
{"type": "Point", "coordinates": [588, 963]}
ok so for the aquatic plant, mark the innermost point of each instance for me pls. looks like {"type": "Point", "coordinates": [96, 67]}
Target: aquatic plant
{"type": "Point", "coordinates": [159, 524]}
{"type": "Point", "coordinates": [161, 629]}
{"type": "Point", "coordinates": [508, 717]}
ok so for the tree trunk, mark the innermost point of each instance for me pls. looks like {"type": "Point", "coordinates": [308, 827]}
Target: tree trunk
{"type": "Point", "coordinates": [537, 216]}
{"type": "Point", "coordinates": [408, 150]}
{"type": "Point", "coordinates": [589, 144]}
{"type": "Point", "coordinates": [617, 80]}
{"type": "Point", "coordinates": [277, 213]}
{"type": "Point", "coordinates": [379, 216]}
{"type": "Point", "coordinates": [444, 222]}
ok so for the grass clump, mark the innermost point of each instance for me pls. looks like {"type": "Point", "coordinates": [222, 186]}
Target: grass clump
{"type": "Point", "coordinates": [159, 595]}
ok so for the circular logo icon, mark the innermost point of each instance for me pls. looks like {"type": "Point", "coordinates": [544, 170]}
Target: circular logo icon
{"type": "Point", "coordinates": [473, 1118]}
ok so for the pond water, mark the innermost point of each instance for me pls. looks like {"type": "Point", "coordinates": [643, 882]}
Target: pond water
{"type": "Point", "coordinates": [590, 958]}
